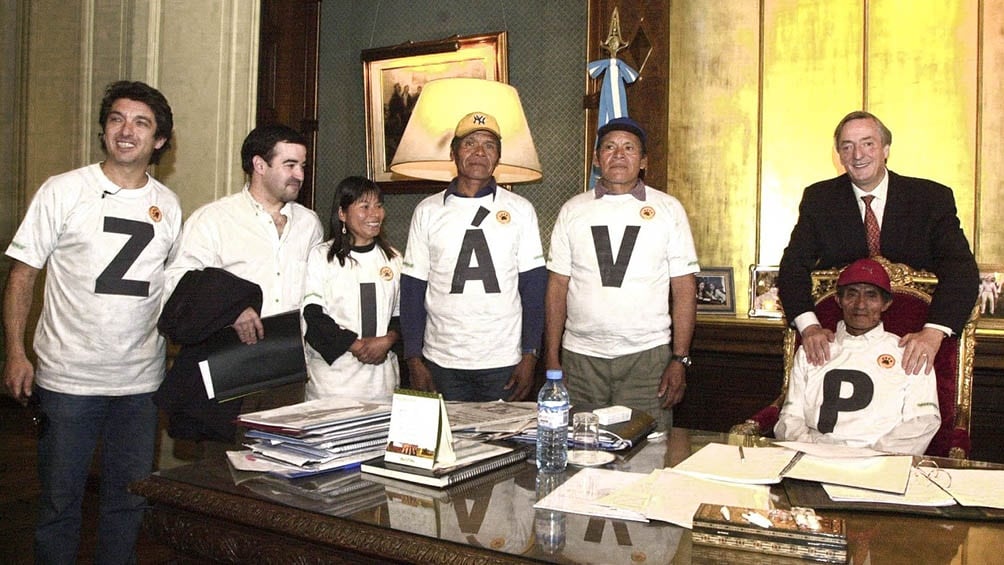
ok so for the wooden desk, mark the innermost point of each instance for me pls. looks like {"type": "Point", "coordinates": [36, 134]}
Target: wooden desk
{"type": "Point", "coordinates": [200, 511]}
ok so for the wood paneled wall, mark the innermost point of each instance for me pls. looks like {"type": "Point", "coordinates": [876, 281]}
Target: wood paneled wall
{"type": "Point", "coordinates": [754, 90]}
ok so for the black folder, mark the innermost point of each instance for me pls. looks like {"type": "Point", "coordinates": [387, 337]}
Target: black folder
{"type": "Point", "coordinates": [233, 369]}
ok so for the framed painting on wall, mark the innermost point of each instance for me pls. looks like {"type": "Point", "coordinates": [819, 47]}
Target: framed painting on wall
{"type": "Point", "coordinates": [393, 78]}
{"type": "Point", "coordinates": [764, 302]}
{"type": "Point", "coordinates": [716, 291]}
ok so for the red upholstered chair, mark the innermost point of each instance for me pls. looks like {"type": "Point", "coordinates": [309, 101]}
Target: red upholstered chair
{"type": "Point", "coordinates": [953, 364]}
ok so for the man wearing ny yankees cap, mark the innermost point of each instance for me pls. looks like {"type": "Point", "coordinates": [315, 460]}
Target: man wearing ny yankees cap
{"type": "Point", "coordinates": [862, 396]}
{"type": "Point", "coordinates": [472, 284]}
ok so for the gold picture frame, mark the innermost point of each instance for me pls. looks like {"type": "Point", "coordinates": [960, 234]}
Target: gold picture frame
{"type": "Point", "coordinates": [764, 302]}
{"type": "Point", "coordinates": [716, 291]}
{"type": "Point", "coordinates": [392, 81]}
{"type": "Point", "coordinates": [988, 299]}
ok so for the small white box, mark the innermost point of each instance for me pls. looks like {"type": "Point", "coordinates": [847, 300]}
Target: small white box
{"type": "Point", "coordinates": [613, 415]}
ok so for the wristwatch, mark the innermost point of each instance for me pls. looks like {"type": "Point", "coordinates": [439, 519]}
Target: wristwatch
{"type": "Point", "coordinates": [683, 359]}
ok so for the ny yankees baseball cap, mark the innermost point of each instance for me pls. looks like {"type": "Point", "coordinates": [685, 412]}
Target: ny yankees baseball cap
{"type": "Point", "coordinates": [477, 121]}
{"type": "Point", "coordinates": [865, 271]}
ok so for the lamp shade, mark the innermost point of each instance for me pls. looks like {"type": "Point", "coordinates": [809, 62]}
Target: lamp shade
{"type": "Point", "coordinates": [424, 150]}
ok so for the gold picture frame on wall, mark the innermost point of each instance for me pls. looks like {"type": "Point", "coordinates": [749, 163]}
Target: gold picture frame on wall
{"type": "Point", "coordinates": [393, 78]}
{"type": "Point", "coordinates": [988, 299]}
{"type": "Point", "coordinates": [716, 291]}
{"type": "Point", "coordinates": [764, 302]}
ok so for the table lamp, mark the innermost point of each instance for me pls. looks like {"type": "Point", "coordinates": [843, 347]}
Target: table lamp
{"type": "Point", "coordinates": [424, 150]}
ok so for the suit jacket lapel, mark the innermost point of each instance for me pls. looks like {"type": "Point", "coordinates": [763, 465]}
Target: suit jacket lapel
{"type": "Point", "coordinates": [847, 213]}
{"type": "Point", "coordinates": [894, 223]}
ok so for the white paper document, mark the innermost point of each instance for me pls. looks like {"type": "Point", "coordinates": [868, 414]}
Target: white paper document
{"type": "Point", "coordinates": [889, 473]}
{"type": "Point", "coordinates": [491, 416]}
{"type": "Point", "coordinates": [973, 487]}
{"type": "Point", "coordinates": [674, 497]}
{"type": "Point", "coordinates": [730, 463]}
{"type": "Point", "coordinates": [582, 494]}
{"type": "Point", "coordinates": [314, 414]}
{"type": "Point", "coordinates": [833, 451]}
{"type": "Point", "coordinates": [919, 492]}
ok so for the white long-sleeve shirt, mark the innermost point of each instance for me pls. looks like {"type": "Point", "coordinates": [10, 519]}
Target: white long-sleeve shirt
{"type": "Point", "coordinates": [236, 234]}
{"type": "Point", "coordinates": [861, 397]}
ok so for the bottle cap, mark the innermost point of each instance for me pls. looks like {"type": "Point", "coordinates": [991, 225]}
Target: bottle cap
{"type": "Point", "coordinates": [554, 374]}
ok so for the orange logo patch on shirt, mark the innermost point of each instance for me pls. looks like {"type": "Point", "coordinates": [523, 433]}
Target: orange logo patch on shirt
{"type": "Point", "coordinates": [886, 361]}
{"type": "Point", "coordinates": [155, 214]}
{"type": "Point", "coordinates": [647, 213]}
{"type": "Point", "coordinates": [503, 217]}
{"type": "Point", "coordinates": [386, 273]}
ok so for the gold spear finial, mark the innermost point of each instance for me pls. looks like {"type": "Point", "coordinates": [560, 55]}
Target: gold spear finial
{"type": "Point", "coordinates": [614, 41]}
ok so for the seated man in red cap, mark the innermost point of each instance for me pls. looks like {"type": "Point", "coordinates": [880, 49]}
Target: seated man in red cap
{"type": "Point", "coordinates": [862, 396]}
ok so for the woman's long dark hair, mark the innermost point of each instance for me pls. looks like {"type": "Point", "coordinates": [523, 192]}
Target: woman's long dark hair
{"type": "Point", "coordinates": [348, 191]}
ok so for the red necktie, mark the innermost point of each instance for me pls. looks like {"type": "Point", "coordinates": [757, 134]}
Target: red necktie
{"type": "Point", "coordinates": [871, 227]}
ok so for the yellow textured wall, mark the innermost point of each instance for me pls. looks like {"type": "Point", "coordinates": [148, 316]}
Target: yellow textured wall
{"type": "Point", "coordinates": [756, 89]}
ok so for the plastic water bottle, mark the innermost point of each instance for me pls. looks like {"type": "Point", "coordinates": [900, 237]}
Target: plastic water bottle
{"type": "Point", "coordinates": [552, 424]}
{"type": "Point", "coordinates": [549, 525]}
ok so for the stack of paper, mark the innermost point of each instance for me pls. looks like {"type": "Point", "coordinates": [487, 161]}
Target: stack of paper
{"type": "Point", "coordinates": [314, 436]}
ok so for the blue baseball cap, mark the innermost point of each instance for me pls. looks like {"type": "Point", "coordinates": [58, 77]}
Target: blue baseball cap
{"type": "Point", "coordinates": [621, 124]}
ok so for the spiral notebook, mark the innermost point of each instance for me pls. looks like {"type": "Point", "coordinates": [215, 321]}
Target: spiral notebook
{"type": "Point", "coordinates": [485, 462]}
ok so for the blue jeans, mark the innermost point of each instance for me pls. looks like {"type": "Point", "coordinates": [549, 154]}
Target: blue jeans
{"type": "Point", "coordinates": [72, 427]}
{"type": "Point", "coordinates": [471, 385]}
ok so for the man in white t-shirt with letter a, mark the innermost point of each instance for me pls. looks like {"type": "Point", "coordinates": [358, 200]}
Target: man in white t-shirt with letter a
{"type": "Point", "coordinates": [472, 284]}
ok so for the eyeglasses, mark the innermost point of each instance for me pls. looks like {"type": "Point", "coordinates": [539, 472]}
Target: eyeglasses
{"type": "Point", "coordinates": [930, 469]}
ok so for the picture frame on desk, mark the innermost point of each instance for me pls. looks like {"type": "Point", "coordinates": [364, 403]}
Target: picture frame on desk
{"type": "Point", "coordinates": [988, 299]}
{"type": "Point", "coordinates": [393, 78]}
{"type": "Point", "coordinates": [716, 291]}
{"type": "Point", "coordinates": [764, 302]}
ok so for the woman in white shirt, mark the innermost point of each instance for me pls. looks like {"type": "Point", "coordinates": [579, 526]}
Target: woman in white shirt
{"type": "Point", "coordinates": [351, 300]}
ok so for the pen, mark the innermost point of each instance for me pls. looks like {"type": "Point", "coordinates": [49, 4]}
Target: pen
{"type": "Point", "coordinates": [742, 455]}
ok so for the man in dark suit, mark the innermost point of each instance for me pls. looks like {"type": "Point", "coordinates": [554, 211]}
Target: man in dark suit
{"type": "Point", "coordinates": [913, 221]}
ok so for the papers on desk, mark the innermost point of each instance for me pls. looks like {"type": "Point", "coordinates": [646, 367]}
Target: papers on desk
{"type": "Point", "coordinates": [675, 497]}
{"type": "Point", "coordinates": [582, 494]}
{"type": "Point", "coordinates": [753, 465]}
{"type": "Point", "coordinates": [663, 495]}
{"type": "Point", "coordinates": [889, 473]}
{"type": "Point", "coordinates": [972, 487]}
{"type": "Point", "coordinates": [934, 487]}
{"type": "Point", "coordinates": [832, 464]}
{"type": "Point", "coordinates": [315, 416]}
{"type": "Point", "coordinates": [832, 451]}
{"type": "Point", "coordinates": [491, 416]}
{"type": "Point", "coordinates": [313, 437]}
{"type": "Point", "coordinates": [768, 465]}
{"type": "Point", "coordinates": [919, 492]}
